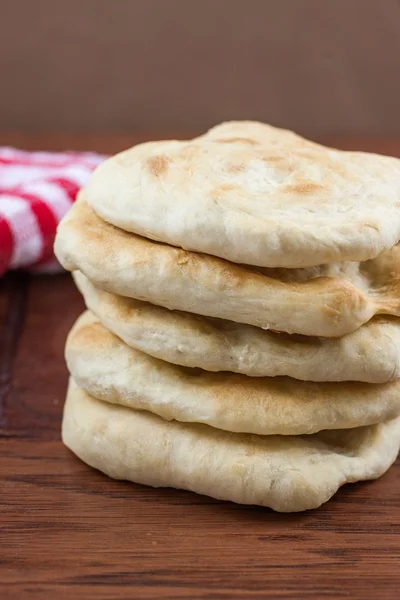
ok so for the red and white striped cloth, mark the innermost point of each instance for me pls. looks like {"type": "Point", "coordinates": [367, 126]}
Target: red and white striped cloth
{"type": "Point", "coordinates": [36, 190]}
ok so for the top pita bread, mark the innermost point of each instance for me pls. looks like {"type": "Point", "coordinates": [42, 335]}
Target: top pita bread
{"type": "Point", "coordinates": [254, 194]}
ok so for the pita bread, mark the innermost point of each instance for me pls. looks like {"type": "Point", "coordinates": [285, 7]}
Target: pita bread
{"type": "Point", "coordinates": [370, 354]}
{"type": "Point", "coordinates": [253, 194]}
{"type": "Point", "coordinates": [129, 265]}
{"type": "Point", "coordinates": [105, 367]}
{"type": "Point", "coordinates": [284, 473]}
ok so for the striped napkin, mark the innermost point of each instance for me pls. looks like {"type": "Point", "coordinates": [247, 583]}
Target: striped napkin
{"type": "Point", "coordinates": [36, 190]}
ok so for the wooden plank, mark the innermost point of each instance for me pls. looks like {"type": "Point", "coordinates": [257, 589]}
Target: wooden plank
{"type": "Point", "coordinates": [32, 408]}
{"type": "Point", "coordinates": [67, 530]}
{"type": "Point", "coordinates": [13, 291]}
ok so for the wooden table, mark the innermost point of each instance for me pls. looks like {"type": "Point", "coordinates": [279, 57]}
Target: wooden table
{"type": "Point", "coordinates": [67, 531]}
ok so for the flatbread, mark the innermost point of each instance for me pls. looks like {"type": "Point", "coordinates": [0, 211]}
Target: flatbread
{"type": "Point", "coordinates": [370, 354]}
{"type": "Point", "coordinates": [285, 473]}
{"type": "Point", "coordinates": [105, 367]}
{"type": "Point", "coordinates": [326, 301]}
{"type": "Point", "coordinates": [253, 194]}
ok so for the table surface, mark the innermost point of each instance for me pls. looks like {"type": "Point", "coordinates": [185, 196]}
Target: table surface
{"type": "Point", "coordinates": [66, 529]}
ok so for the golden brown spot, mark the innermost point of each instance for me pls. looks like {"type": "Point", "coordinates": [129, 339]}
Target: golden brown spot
{"type": "Point", "coordinates": [157, 165]}
{"type": "Point", "coordinates": [183, 257]}
{"type": "Point", "coordinates": [303, 189]}
{"type": "Point", "coordinates": [237, 140]}
{"type": "Point", "coordinates": [279, 162]}
{"type": "Point", "coordinates": [87, 335]}
{"type": "Point", "coordinates": [235, 167]}
{"type": "Point", "coordinates": [219, 191]}
{"type": "Point", "coordinates": [310, 154]}
{"type": "Point", "coordinates": [226, 187]}
{"type": "Point", "coordinates": [269, 159]}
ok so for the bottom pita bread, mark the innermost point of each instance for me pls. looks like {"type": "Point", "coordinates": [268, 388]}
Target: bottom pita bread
{"type": "Point", "coordinates": [284, 473]}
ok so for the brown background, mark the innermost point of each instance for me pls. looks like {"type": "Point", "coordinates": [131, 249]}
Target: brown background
{"type": "Point", "coordinates": [319, 66]}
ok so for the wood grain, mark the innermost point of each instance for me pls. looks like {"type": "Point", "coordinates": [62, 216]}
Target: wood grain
{"type": "Point", "coordinates": [68, 531]}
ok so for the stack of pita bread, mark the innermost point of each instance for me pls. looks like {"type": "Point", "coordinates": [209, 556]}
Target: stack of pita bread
{"type": "Point", "coordinates": [242, 338]}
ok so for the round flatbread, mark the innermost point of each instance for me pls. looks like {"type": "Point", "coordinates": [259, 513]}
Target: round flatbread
{"type": "Point", "coordinates": [327, 301]}
{"type": "Point", "coordinates": [253, 194]}
{"type": "Point", "coordinates": [108, 369]}
{"type": "Point", "coordinates": [285, 473]}
{"type": "Point", "coordinates": [370, 354]}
